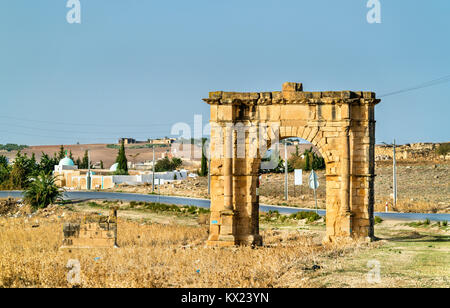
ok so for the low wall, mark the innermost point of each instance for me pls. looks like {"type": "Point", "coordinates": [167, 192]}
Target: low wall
{"type": "Point", "coordinates": [93, 231]}
{"type": "Point", "coordinates": [160, 178]}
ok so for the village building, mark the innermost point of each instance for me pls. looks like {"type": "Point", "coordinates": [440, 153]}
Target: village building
{"type": "Point", "coordinates": [68, 176]}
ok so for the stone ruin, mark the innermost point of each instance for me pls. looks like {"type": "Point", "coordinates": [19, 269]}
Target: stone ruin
{"type": "Point", "coordinates": [93, 231]}
{"type": "Point", "coordinates": [341, 125]}
{"type": "Point", "coordinates": [410, 152]}
{"type": "Point", "coordinates": [7, 206]}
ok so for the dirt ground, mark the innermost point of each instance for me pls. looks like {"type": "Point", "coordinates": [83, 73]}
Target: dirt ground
{"type": "Point", "coordinates": [422, 187]}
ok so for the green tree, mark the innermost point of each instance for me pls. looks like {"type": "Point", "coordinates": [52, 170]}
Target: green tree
{"type": "Point", "coordinates": [20, 172]}
{"type": "Point", "coordinates": [166, 164]}
{"type": "Point", "coordinates": [443, 149]}
{"type": "Point", "coordinates": [61, 153]}
{"type": "Point", "coordinates": [42, 191]}
{"type": "Point", "coordinates": [3, 161]}
{"type": "Point", "coordinates": [296, 161]}
{"type": "Point", "coordinates": [313, 161]}
{"type": "Point", "coordinates": [318, 163]}
{"type": "Point", "coordinates": [307, 163]}
{"type": "Point", "coordinates": [33, 165]}
{"type": "Point", "coordinates": [176, 162]}
{"type": "Point", "coordinates": [47, 164]}
{"type": "Point", "coordinates": [79, 163]}
{"type": "Point", "coordinates": [4, 170]}
{"type": "Point", "coordinates": [12, 147]}
{"type": "Point", "coordinates": [71, 156]}
{"type": "Point", "coordinates": [101, 164]}
{"type": "Point", "coordinates": [4, 177]}
{"type": "Point", "coordinates": [85, 162]}
{"type": "Point", "coordinates": [122, 161]}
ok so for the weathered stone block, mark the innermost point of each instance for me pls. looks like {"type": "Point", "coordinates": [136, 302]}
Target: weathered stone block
{"type": "Point", "coordinates": [292, 86]}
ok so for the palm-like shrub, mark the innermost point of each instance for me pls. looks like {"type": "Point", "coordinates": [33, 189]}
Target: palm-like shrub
{"type": "Point", "coordinates": [42, 191]}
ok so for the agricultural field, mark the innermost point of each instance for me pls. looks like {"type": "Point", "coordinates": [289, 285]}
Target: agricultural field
{"type": "Point", "coordinates": [163, 246]}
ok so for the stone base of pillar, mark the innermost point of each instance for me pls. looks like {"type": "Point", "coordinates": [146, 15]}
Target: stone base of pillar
{"type": "Point", "coordinates": [340, 239]}
{"type": "Point", "coordinates": [221, 243]}
{"type": "Point", "coordinates": [346, 225]}
{"type": "Point", "coordinates": [249, 240]}
{"type": "Point", "coordinates": [232, 240]}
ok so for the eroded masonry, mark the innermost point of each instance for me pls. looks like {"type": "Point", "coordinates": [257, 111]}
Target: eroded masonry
{"type": "Point", "coordinates": [340, 124]}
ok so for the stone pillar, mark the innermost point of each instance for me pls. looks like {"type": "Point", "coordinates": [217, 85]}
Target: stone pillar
{"type": "Point", "coordinates": [345, 172]}
{"type": "Point", "coordinates": [345, 209]}
{"type": "Point", "coordinates": [227, 220]}
{"type": "Point", "coordinates": [228, 169]}
{"type": "Point", "coordinates": [345, 213]}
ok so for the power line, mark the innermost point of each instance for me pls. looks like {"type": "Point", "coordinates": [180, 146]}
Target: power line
{"type": "Point", "coordinates": [80, 132]}
{"type": "Point", "coordinates": [84, 124]}
{"type": "Point", "coordinates": [53, 136]}
{"type": "Point", "coordinates": [420, 86]}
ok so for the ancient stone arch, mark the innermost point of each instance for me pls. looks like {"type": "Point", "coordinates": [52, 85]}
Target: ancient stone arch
{"type": "Point", "coordinates": [340, 124]}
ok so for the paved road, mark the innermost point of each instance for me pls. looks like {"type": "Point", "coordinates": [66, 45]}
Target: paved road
{"type": "Point", "coordinates": [204, 203]}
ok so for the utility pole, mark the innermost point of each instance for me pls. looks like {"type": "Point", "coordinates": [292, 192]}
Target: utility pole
{"type": "Point", "coordinates": [88, 180]}
{"type": "Point", "coordinates": [286, 192]}
{"type": "Point", "coordinates": [209, 176]}
{"type": "Point", "coordinates": [394, 167]}
{"type": "Point", "coordinates": [153, 170]}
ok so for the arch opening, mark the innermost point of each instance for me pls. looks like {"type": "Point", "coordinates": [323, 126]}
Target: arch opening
{"type": "Point", "coordinates": [302, 157]}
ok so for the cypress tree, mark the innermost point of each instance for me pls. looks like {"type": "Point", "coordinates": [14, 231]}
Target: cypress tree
{"type": "Point", "coordinates": [122, 168]}
{"type": "Point", "coordinates": [85, 162]}
{"type": "Point", "coordinates": [61, 153]}
{"type": "Point", "coordinates": [307, 168]}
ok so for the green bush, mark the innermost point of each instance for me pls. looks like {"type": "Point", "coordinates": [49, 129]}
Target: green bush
{"type": "Point", "coordinates": [12, 147]}
{"type": "Point", "coordinates": [167, 164]}
{"type": "Point", "coordinates": [161, 207]}
{"type": "Point", "coordinates": [42, 191]}
{"type": "Point", "coordinates": [443, 149]}
{"type": "Point", "coordinates": [444, 223]}
{"type": "Point", "coordinates": [310, 216]}
{"type": "Point", "coordinates": [94, 204]}
{"type": "Point", "coordinates": [378, 220]}
{"type": "Point", "coordinates": [21, 171]}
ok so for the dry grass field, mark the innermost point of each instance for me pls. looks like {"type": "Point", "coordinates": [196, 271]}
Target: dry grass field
{"type": "Point", "coordinates": [153, 256]}
{"type": "Point", "coordinates": [167, 250]}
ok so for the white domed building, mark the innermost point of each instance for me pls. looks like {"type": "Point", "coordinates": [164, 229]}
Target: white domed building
{"type": "Point", "coordinates": [65, 171]}
{"type": "Point", "coordinates": [65, 164]}
{"type": "Point", "coordinates": [114, 167]}
{"type": "Point", "coordinates": [70, 177]}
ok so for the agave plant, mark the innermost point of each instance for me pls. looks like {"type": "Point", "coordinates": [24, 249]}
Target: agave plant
{"type": "Point", "coordinates": [42, 191]}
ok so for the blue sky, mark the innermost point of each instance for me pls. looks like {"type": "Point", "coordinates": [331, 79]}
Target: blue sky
{"type": "Point", "coordinates": [134, 67]}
